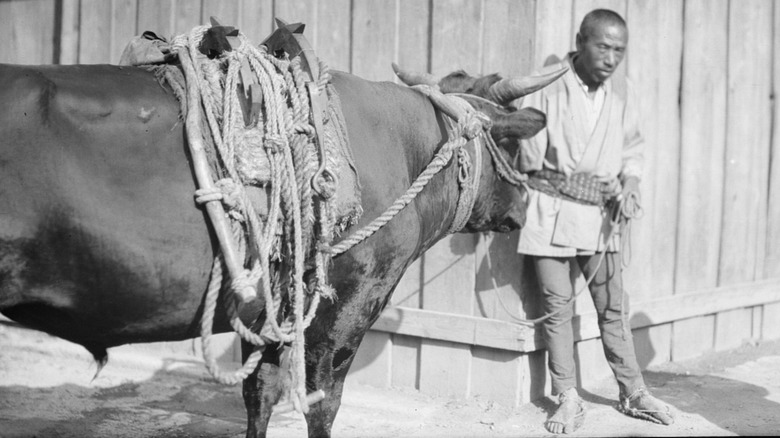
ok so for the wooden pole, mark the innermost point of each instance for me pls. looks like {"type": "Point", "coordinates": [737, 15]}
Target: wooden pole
{"type": "Point", "coordinates": [200, 164]}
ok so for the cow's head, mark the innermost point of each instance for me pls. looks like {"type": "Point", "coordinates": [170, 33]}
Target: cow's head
{"type": "Point", "coordinates": [500, 206]}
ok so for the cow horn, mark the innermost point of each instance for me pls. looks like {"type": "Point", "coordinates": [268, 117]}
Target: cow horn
{"type": "Point", "coordinates": [509, 89]}
{"type": "Point", "coordinates": [414, 78]}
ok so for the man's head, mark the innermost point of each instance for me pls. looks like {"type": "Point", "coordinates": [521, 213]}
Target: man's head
{"type": "Point", "coordinates": [601, 45]}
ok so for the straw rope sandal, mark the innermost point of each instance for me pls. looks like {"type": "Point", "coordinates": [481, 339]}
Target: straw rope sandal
{"type": "Point", "coordinates": [640, 404]}
{"type": "Point", "coordinates": [570, 414]}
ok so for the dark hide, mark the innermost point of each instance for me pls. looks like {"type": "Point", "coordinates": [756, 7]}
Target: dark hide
{"type": "Point", "coordinates": [102, 244]}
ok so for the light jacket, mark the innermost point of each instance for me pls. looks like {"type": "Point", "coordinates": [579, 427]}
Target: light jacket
{"type": "Point", "coordinates": [561, 228]}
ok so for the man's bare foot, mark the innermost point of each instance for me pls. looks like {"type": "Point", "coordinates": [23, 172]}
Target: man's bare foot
{"type": "Point", "coordinates": [570, 413]}
{"type": "Point", "coordinates": [641, 404]}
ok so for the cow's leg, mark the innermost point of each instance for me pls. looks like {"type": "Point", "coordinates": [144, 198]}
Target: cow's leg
{"type": "Point", "coordinates": [262, 389]}
{"type": "Point", "coordinates": [331, 343]}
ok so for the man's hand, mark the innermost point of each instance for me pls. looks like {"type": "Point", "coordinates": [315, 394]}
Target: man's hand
{"type": "Point", "coordinates": [610, 186]}
{"type": "Point", "coordinates": [630, 188]}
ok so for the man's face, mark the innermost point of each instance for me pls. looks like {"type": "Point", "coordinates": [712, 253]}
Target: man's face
{"type": "Point", "coordinates": [600, 52]}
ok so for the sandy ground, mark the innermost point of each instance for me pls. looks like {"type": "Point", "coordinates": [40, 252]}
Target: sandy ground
{"type": "Point", "coordinates": [46, 390]}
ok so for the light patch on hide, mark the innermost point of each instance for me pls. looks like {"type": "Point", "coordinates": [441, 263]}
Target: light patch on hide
{"type": "Point", "coordinates": [146, 114]}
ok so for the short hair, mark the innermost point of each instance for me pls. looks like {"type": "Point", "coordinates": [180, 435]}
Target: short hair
{"type": "Point", "coordinates": [600, 16]}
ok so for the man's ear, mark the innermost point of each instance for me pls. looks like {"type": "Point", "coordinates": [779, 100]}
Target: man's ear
{"type": "Point", "coordinates": [579, 41]}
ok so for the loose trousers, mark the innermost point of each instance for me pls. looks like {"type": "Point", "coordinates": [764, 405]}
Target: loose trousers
{"type": "Point", "coordinates": [611, 304]}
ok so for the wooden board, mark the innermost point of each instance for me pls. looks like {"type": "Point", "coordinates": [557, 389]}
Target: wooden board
{"type": "Point", "coordinates": [160, 17]}
{"type": "Point", "coordinates": [123, 27]}
{"type": "Point", "coordinates": [334, 31]}
{"type": "Point", "coordinates": [653, 65]}
{"type": "Point", "coordinates": [553, 33]}
{"type": "Point", "coordinates": [457, 39]}
{"type": "Point", "coordinates": [94, 24]}
{"type": "Point", "coordinates": [486, 365]}
{"type": "Point", "coordinates": [771, 248]}
{"type": "Point", "coordinates": [747, 142]}
{"type": "Point", "coordinates": [256, 19]}
{"type": "Point", "coordinates": [653, 344]}
{"type": "Point", "coordinates": [692, 337]}
{"type": "Point", "coordinates": [508, 41]}
{"type": "Point", "coordinates": [733, 328]}
{"type": "Point", "coordinates": [27, 32]}
{"type": "Point", "coordinates": [703, 142]}
{"type": "Point", "coordinates": [373, 29]}
{"type": "Point", "coordinates": [414, 35]}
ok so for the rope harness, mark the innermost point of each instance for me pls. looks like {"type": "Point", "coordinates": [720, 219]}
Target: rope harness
{"type": "Point", "coordinates": [284, 135]}
{"type": "Point", "coordinates": [282, 132]}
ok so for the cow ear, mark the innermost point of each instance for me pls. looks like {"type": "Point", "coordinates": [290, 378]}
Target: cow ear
{"type": "Point", "coordinates": [517, 125]}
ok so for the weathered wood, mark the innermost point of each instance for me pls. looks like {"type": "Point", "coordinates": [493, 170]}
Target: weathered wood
{"type": "Point", "coordinates": [747, 142]}
{"type": "Point", "coordinates": [372, 361]}
{"type": "Point", "coordinates": [499, 278]}
{"type": "Point", "coordinates": [123, 27]}
{"type": "Point", "coordinates": [496, 375]}
{"type": "Point", "coordinates": [771, 248]}
{"type": "Point", "coordinates": [653, 65]}
{"type": "Point", "coordinates": [414, 35]}
{"type": "Point", "coordinates": [493, 333]}
{"type": "Point", "coordinates": [159, 17]}
{"type": "Point", "coordinates": [733, 328]}
{"type": "Point", "coordinates": [462, 329]}
{"type": "Point", "coordinates": [653, 344]}
{"type": "Point", "coordinates": [373, 29]}
{"type": "Point", "coordinates": [553, 30]}
{"type": "Point", "coordinates": [693, 337]}
{"type": "Point", "coordinates": [703, 141]}
{"type": "Point", "coordinates": [186, 14]}
{"type": "Point", "coordinates": [94, 24]}
{"type": "Point", "coordinates": [457, 36]}
{"type": "Point", "coordinates": [507, 45]}
{"type": "Point", "coordinates": [256, 19]}
{"type": "Point", "coordinates": [27, 32]}
{"type": "Point", "coordinates": [334, 45]}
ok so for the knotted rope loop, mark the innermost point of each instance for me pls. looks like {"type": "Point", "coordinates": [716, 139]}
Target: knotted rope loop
{"type": "Point", "coordinates": [325, 182]}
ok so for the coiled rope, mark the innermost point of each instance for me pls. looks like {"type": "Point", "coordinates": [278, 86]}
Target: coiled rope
{"type": "Point", "coordinates": [283, 133]}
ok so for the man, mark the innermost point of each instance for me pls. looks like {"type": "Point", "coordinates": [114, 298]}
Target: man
{"type": "Point", "coordinates": [587, 159]}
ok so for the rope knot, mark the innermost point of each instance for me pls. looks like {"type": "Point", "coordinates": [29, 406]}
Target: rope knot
{"type": "Point", "coordinates": [274, 144]}
{"type": "Point", "coordinates": [464, 167]}
{"type": "Point", "coordinates": [242, 286]}
{"type": "Point", "coordinates": [471, 125]}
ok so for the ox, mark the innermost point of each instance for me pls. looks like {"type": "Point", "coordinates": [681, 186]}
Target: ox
{"type": "Point", "coordinates": [101, 243]}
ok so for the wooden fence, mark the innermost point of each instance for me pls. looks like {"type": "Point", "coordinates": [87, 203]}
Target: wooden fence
{"type": "Point", "coordinates": [704, 272]}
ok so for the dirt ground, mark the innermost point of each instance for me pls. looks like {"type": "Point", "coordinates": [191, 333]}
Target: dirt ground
{"type": "Point", "coordinates": [46, 390]}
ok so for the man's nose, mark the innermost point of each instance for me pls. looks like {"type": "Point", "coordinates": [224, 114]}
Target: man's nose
{"type": "Point", "coordinates": [609, 60]}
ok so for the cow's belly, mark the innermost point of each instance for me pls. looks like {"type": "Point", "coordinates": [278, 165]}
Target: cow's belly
{"type": "Point", "coordinates": [102, 242]}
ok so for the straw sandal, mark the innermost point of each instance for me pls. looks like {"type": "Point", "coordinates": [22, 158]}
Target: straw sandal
{"type": "Point", "coordinates": [570, 414]}
{"type": "Point", "coordinates": [642, 405]}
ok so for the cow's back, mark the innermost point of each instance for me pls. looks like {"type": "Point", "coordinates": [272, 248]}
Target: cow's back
{"type": "Point", "coordinates": [98, 223]}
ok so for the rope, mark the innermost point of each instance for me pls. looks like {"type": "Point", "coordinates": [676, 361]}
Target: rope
{"type": "Point", "coordinates": [626, 209]}
{"type": "Point", "coordinates": [284, 136]}
{"type": "Point", "coordinates": [468, 127]}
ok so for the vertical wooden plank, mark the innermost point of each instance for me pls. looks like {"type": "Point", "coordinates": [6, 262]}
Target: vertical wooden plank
{"type": "Point", "coordinates": [757, 320]}
{"type": "Point", "coordinates": [299, 11]}
{"type": "Point", "coordinates": [692, 337]}
{"type": "Point", "coordinates": [414, 35]}
{"type": "Point", "coordinates": [772, 258]}
{"type": "Point", "coordinates": [703, 142]}
{"type": "Point", "coordinates": [334, 32]}
{"type": "Point", "coordinates": [69, 33]}
{"type": "Point", "coordinates": [592, 366]}
{"type": "Point", "coordinates": [457, 40]}
{"type": "Point", "coordinates": [373, 39]}
{"type": "Point", "coordinates": [405, 362]}
{"type": "Point", "coordinates": [371, 365]}
{"type": "Point", "coordinates": [225, 11]}
{"type": "Point", "coordinates": [733, 328]}
{"type": "Point", "coordinates": [123, 26]}
{"type": "Point", "coordinates": [445, 368]}
{"type": "Point", "coordinates": [653, 345]}
{"type": "Point", "coordinates": [187, 14]}
{"type": "Point", "coordinates": [256, 19]}
{"type": "Point", "coordinates": [157, 16]}
{"type": "Point", "coordinates": [747, 141]}
{"type": "Point", "coordinates": [654, 65]}
{"type": "Point", "coordinates": [534, 371]}
{"type": "Point", "coordinates": [553, 34]}
{"type": "Point", "coordinates": [95, 24]}
{"type": "Point", "coordinates": [500, 289]}
{"type": "Point", "coordinates": [496, 375]}
{"type": "Point", "coordinates": [508, 40]}
{"type": "Point", "coordinates": [27, 32]}
{"type": "Point", "coordinates": [770, 329]}
{"type": "Point", "coordinates": [408, 291]}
